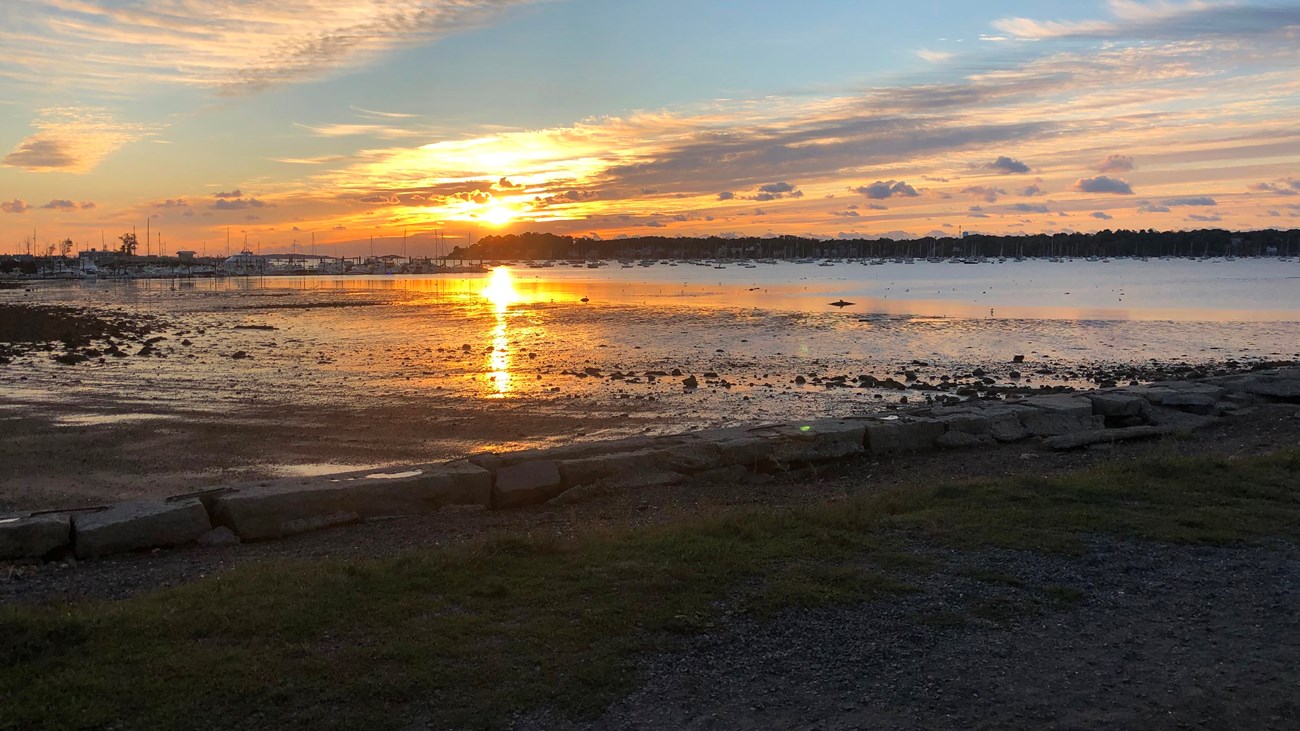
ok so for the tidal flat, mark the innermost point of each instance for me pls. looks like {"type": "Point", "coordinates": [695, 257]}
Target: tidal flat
{"type": "Point", "coordinates": [213, 381]}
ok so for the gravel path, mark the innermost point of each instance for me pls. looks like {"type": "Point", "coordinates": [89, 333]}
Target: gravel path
{"type": "Point", "coordinates": [1162, 638]}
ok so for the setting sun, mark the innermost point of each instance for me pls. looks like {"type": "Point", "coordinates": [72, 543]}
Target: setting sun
{"type": "Point", "coordinates": [498, 213]}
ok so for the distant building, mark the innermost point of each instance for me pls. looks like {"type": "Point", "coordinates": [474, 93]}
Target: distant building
{"type": "Point", "coordinates": [186, 255]}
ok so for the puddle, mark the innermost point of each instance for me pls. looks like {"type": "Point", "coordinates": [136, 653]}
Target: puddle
{"type": "Point", "coordinates": [101, 419]}
{"type": "Point", "coordinates": [394, 475]}
{"type": "Point", "coordinates": [319, 469]}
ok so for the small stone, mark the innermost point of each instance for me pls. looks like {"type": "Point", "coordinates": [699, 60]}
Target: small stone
{"type": "Point", "coordinates": [217, 537]}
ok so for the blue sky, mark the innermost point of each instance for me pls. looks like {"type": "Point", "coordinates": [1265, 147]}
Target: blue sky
{"type": "Point", "coordinates": [347, 118]}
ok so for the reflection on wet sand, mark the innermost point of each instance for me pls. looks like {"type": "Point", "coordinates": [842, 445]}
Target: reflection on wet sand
{"type": "Point", "coordinates": [500, 292]}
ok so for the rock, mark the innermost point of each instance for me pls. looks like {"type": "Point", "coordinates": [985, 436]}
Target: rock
{"type": "Point", "coordinates": [598, 467]}
{"type": "Point", "coordinates": [1005, 425]}
{"type": "Point", "coordinates": [1177, 420]}
{"type": "Point", "coordinates": [1017, 359]}
{"type": "Point", "coordinates": [1104, 436]}
{"type": "Point", "coordinates": [137, 524]}
{"type": "Point", "coordinates": [317, 522]}
{"type": "Point", "coordinates": [218, 537]}
{"type": "Point", "coordinates": [1058, 414]}
{"type": "Point", "coordinates": [270, 510]}
{"type": "Point", "coordinates": [892, 437]}
{"type": "Point", "coordinates": [1117, 404]}
{"type": "Point", "coordinates": [239, 355]}
{"type": "Point", "coordinates": [1278, 390]}
{"type": "Point", "coordinates": [579, 494]}
{"type": "Point", "coordinates": [35, 536]}
{"type": "Point", "coordinates": [962, 440]}
{"type": "Point", "coordinates": [813, 441]}
{"type": "Point", "coordinates": [967, 423]}
{"type": "Point", "coordinates": [691, 382]}
{"type": "Point", "coordinates": [1193, 403]}
{"type": "Point", "coordinates": [528, 483]}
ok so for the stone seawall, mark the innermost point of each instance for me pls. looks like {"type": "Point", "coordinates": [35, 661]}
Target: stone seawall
{"type": "Point", "coordinates": [267, 510]}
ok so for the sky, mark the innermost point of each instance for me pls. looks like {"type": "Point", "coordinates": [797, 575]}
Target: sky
{"type": "Point", "coordinates": [323, 124]}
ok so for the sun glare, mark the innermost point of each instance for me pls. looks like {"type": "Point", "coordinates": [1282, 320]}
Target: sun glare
{"type": "Point", "coordinates": [498, 214]}
{"type": "Point", "coordinates": [500, 290]}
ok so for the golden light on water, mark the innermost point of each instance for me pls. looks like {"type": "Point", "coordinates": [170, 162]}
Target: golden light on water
{"type": "Point", "coordinates": [501, 292]}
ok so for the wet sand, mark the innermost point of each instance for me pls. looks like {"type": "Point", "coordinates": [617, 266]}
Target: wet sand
{"type": "Point", "coordinates": [205, 383]}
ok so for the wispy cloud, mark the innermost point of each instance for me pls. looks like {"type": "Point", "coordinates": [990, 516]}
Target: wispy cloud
{"type": "Point", "coordinates": [72, 140]}
{"type": "Point", "coordinates": [232, 47]}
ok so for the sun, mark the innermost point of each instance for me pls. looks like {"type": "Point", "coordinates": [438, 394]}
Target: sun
{"type": "Point", "coordinates": [498, 214]}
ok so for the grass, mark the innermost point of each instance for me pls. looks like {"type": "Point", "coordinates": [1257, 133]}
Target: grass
{"type": "Point", "coordinates": [475, 633]}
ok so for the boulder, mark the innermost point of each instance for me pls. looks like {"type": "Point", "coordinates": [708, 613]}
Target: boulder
{"type": "Point", "coordinates": [35, 536]}
{"type": "Point", "coordinates": [1177, 420]}
{"type": "Point", "coordinates": [270, 510]}
{"type": "Point", "coordinates": [1104, 436]}
{"type": "Point", "coordinates": [598, 467]}
{"type": "Point", "coordinates": [814, 441]}
{"type": "Point", "coordinates": [1057, 414]}
{"type": "Point", "coordinates": [1279, 389]}
{"type": "Point", "coordinates": [526, 484]}
{"type": "Point", "coordinates": [218, 537]}
{"type": "Point", "coordinates": [1115, 404]}
{"type": "Point", "coordinates": [1201, 404]}
{"type": "Point", "coordinates": [963, 440]}
{"type": "Point", "coordinates": [138, 524]}
{"type": "Point", "coordinates": [973, 424]}
{"type": "Point", "coordinates": [1004, 424]}
{"type": "Point", "coordinates": [912, 435]}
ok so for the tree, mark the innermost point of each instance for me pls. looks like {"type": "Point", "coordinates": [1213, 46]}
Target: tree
{"type": "Point", "coordinates": [65, 248]}
{"type": "Point", "coordinates": [129, 244]}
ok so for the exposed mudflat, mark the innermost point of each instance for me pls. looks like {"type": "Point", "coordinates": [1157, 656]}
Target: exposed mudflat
{"type": "Point", "coordinates": [153, 388]}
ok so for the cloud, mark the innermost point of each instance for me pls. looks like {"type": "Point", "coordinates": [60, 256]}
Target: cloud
{"type": "Point", "coordinates": [776, 188]}
{"type": "Point", "coordinates": [231, 47]}
{"type": "Point", "coordinates": [237, 204]}
{"type": "Point", "coordinates": [1101, 215]}
{"type": "Point", "coordinates": [72, 140]}
{"type": "Point", "coordinates": [60, 204]}
{"type": "Point", "coordinates": [934, 56]}
{"type": "Point", "coordinates": [172, 203]}
{"type": "Point", "coordinates": [846, 214]}
{"type": "Point", "coordinates": [1199, 200]}
{"type": "Point", "coordinates": [504, 184]}
{"type": "Point", "coordinates": [1210, 218]}
{"type": "Point", "coordinates": [881, 190]}
{"type": "Point", "coordinates": [382, 199]}
{"type": "Point", "coordinates": [1030, 208]}
{"type": "Point", "coordinates": [1115, 164]}
{"type": "Point", "coordinates": [1006, 166]}
{"type": "Point", "coordinates": [236, 193]}
{"type": "Point", "coordinates": [1152, 208]}
{"type": "Point", "coordinates": [987, 192]}
{"type": "Point", "coordinates": [1162, 19]}
{"type": "Point", "coordinates": [1103, 184]}
{"type": "Point", "coordinates": [726, 195]}
{"type": "Point", "coordinates": [1286, 187]}
{"type": "Point", "coordinates": [1030, 191]}
{"type": "Point", "coordinates": [14, 206]}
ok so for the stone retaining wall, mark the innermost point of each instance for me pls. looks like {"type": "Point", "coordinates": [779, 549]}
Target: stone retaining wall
{"type": "Point", "coordinates": [561, 475]}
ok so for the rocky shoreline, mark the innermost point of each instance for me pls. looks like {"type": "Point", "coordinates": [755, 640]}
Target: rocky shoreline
{"type": "Point", "coordinates": [574, 473]}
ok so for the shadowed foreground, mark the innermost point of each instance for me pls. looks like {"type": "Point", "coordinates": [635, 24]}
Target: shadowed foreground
{"type": "Point", "coordinates": [1157, 592]}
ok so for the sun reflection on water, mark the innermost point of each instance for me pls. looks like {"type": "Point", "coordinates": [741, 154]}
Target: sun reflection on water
{"type": "Point", "coordinates": [501, 292]}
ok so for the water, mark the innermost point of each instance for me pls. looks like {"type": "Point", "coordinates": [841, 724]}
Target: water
{"type": "Point", "coordinates": [517, 337]}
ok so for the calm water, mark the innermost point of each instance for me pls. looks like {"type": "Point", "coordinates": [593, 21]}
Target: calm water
{"type": "Point", "coordinates": [517, 335]}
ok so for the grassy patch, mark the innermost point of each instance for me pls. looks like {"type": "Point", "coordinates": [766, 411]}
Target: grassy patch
{"type": "Point", "coordinates": [477, 632]}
